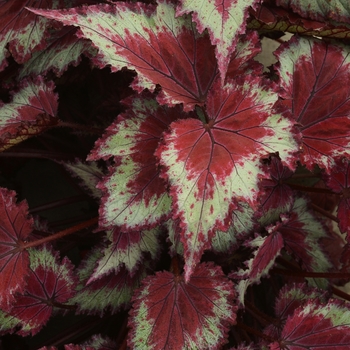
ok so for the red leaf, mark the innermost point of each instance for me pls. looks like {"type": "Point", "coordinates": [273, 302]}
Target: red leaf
{"type": "Point", "coordinates": [23, 31]}
{"type": "Point", "coordinates": [316, 326]}
{"type": "Point", "coordinates": [49, 282]}
{"type": "Point", "coordinates": [33, 108]}
{"type": "Point", "coordinates": [134, 196]}
{"type": "Point", "coordinates": [162, 48]}
{"type": "Point", "coordinates": [213, 160]}
{"type": "Point", "coordinates": [314, 75]}
{"type": "Point", "coordinates": [277, 197]}
{"type": "Point", "coordinates": [15, 227]}
{"type": "Point", "coordinates": [171, 314]}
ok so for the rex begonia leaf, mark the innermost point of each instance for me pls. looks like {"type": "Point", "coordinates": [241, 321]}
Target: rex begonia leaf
{"type": "Point", "coordinates": [224, 20]}
{"type": "Point", "coordinates": [126, 248]}
{"type": "Point", "coordinates": [134, 194]}
{"type": "Point", "coordinates": [320, 10]}
{"type": "Point", "coordinates": [242, 225]}
{"type": "Point", "coordinates": [168, 313]}
{"type": "Point", "coordinates": [277, 197]}
{"type": "Point", "coordinates": [49, 282]}
{"type": "Point", "coordinates": [314, 76]}
{"type": "Point", "coordinates": [15, 227]}
{"type": "Point", "coordinates": [242, 59]}
{"type": "Point", "coordinates": [290, 297]}
{"type": "Point", "coordinates": [89, 173]}
{"type": "Point", "coordinates": [339, 182]}
{"type": "Point", "coordinates": [315, 325]}
{"type": "Point", "coordinates": [267, 249]}
{"type": "Point", "coordinates": [65, 49]}
{"type": "Point", "coordinates": [111, 292]}
{"type": "Point", "coordinates": [209, 163]}
{"type": "Point", "coordinates": [33, 108]}
{"type": "Point", "coordinates": [302, 233]}
{"type": "Point", "coordinates": [21, 31]}
{"type": "Point", "coordinates": [161, 48]}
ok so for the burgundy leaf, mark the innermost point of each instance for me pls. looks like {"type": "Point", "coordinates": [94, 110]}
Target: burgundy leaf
{"type": "Point", "coordinates": [267, 249]}
{"type": "Point", "coordinates": [213, 160]}
{"type": "Point", "coordinates": [15, 227]}
{"type": "Point", "coordinates": [32, 110]}
{"type": "Point", "coordinates": [225, 20]}
{"type": "Point", "coordinates": [316, 326]}
{"type": "Point", "coordinates": [50, 283]}
{"type": "Point", "coordinates": [290, 298]}
{"type": "Point", "coordinates": [171, 314]}
{"type": "Point", "coordinates": [22, 31]}
{"type": "Point", "coordinates": [134, 196]}
{"type": "Point", "coordinates": [302, 232]}
{"type": "Point", "coordinates": [313, 74]}
{"type": "Point", "coordinates": [162, 48]}
{"type": "Point", "coordinates": [277, 197]}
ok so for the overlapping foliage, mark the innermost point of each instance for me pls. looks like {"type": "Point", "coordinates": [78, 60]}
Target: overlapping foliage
{"type": "Point", "coordinates": [219, 186]}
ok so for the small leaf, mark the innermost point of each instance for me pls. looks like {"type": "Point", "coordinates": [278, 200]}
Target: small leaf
{"type": "Point", "coordinates": [89, 173]}
{"type": "Point", "coordinates": [126, 249]}
{"type": "Point", "coordinates": [277, 197]}
{"type": "Point", "coordinates": [49, 282]}
{"type": "Point", "coordinates": [290, 297]}
{"type": "Point", "coordinates": [169, 313]}
{"type": "Point", "coordinates": [162, 48]}
{"type": "Point", "coordinates": [65, 49]}
{"type": "Point", "coordinates": [267, 249]}
{"type": "Point", "coordinates": [135, 197]}
{"type": "Point", "coordinates": [320, 10]}
{"type": "Point", "coordinates": [111, 292]}
{"type": "Point", "coordinates": [209, 164]}
{"type": "Point", "coordinates": [316, 326]}
{"type": "Point", "coordinates": [312, 75]}
{"type": "Point", "coordinates": [224, 21]}
{"type": "Point", "coordinates": [15, 228]}
{"type": "Point", "coordinates": [22, 32]}
{"type": "Point", "coordinates": [302, 233]}
{"type": "Point", "coordinates": [33, 108]}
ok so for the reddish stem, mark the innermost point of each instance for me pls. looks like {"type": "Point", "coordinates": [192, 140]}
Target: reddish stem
{"type": "Point", "coordinates": [61, 234]}
{"type": "Point", "coordinates": [324, 212]}
{"type": "Point", "coordinates": [309, 189]}
{"type": "Point", "coordinates": [340, 293]}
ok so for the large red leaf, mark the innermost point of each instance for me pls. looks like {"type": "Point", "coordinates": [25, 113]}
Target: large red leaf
{"type": "Point", "coordinates": [15, 227]}
{"type": "Point", "coordinates": [161, 48]}
{"type": "Point", "coordinates": [213, 160]}
{"type": "Point", "coordinates": [171, 314]}
{"type": "Point", "coordinates": [314, 76]}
